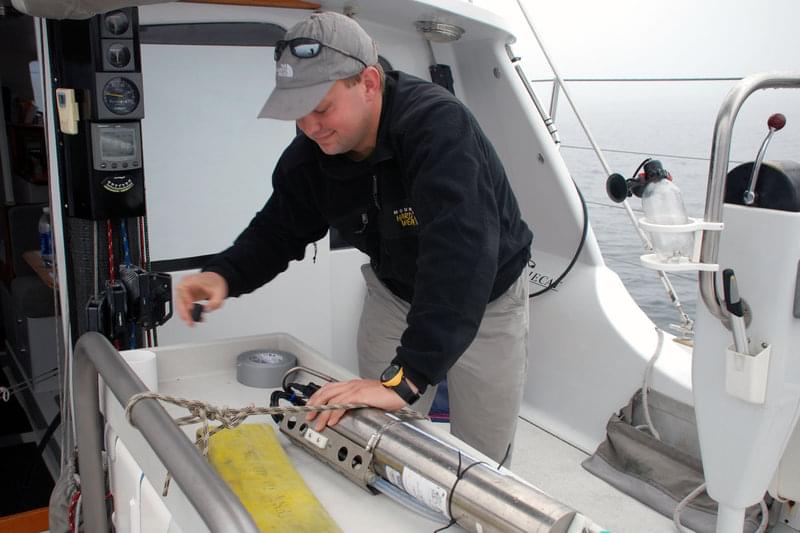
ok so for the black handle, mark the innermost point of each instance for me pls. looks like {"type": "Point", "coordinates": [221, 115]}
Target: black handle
{"type": "Point", "coordinates": [732, 299]}
{"type": "Point", "coordinates": [197, 312]}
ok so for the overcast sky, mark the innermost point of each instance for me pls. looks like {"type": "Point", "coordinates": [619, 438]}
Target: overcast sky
{"type": "Point", "coordinates": [601, 38]}
{"type": "Point", "coordinates": [664, 39]}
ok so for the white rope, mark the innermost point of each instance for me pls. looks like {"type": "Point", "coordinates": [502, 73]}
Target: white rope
{"type": "Point", "coordinates": [78, 514]}
{"type": "Point", "coordinates": [676, 516]}
{"type": "Point", "coordinates": [648, 375]}
{"type": "Point", "coordinates": [762, 527]}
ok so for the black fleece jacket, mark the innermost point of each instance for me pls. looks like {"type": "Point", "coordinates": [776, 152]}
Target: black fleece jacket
{"type": "Point", "coordinates": [431, 207]}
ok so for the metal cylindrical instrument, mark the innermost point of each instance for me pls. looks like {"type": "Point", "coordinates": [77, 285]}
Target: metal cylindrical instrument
{"type": "Point", "coordinates": [483, 500]}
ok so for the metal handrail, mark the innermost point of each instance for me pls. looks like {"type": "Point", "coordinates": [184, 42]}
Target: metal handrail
{"type": "Point", "coordinates": [219, 508]}
{"type": "Point", "coordinates": [718, 170]}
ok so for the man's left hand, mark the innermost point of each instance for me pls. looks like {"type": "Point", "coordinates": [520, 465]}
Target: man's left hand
{"type": "Point", "coordinates": [368, 391]}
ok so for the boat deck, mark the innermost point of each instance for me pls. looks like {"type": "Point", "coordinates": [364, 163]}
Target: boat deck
{"type": "Point", "coordinates": [554, 466]}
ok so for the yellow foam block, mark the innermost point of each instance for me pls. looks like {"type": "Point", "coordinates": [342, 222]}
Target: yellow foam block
{"type": "Point", "coordinates": [251, 460]}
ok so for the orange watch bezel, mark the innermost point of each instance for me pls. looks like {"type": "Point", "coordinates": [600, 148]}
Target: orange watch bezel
{"type": "Point", "coordinates": [395, 380]}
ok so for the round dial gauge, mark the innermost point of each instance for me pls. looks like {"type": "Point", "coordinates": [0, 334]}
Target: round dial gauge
{"type": "Point", "coordinates": [119, 55]}
{"type": "Point", "coordinates": [117, 22]}
{"type": "Point", "coordinates": [120, 96]}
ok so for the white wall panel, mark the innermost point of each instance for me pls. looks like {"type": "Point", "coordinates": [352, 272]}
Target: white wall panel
{"type": "Point", "coordinates": [208, 167]}
{"type": "Point", "coordinates": [208, 159]}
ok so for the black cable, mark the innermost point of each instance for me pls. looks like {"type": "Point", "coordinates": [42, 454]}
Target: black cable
{"type": "Point", "coordinates": [146, 231]}
{"type": "Point", "coordinates": [643, 163]}
{"type": "Point", "coordinates": [505, 457]}
{"type": "Point", "coordinates": [275, 398]}
{"type": "Point", "coordinates": [294, 393]}
{"type": "Point", "coordinates": [450, 498]}
{"type": "Point", "coordinates": [48, 434]}
{"type": "Point", "coordinates": [459, 476]}
{"type": "Point", "coordinates": [577, 252]}
{"type": "Point", "coordinates": [147, 266]}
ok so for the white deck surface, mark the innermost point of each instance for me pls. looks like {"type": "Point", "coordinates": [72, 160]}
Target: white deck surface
{"type": "Point", "coordinates": [205, 372]}
{"type": "Point", "coordinates": [555, 467]}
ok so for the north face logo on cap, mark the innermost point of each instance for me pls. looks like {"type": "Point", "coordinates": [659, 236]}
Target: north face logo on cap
{"type": "Point", "coordinates": [285, 70]}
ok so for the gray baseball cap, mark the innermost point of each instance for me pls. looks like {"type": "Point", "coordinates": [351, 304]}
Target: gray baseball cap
{"type": "Point", "coordinates": [301, 83]}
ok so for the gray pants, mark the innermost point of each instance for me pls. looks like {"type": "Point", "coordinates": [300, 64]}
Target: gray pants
{"type": "Point", "coordinates": [486, 383]}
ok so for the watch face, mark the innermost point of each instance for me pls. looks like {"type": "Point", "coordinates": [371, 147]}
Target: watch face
{"type": "Point", "coordinates": [390, 372]}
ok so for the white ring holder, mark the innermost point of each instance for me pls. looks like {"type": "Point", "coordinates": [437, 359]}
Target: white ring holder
{"type": "Point", "coordinates": [696, 226]}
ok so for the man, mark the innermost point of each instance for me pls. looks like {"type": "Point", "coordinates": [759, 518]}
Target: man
{"type": "Point", "coordinates": [402, 169]}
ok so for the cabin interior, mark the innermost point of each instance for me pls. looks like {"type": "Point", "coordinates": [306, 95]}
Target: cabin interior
{"type": "Point", "coordinates": [28, 458]}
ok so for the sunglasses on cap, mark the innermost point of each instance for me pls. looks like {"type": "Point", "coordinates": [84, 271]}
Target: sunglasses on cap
{"type": "Point", "coordinates": [305, 48]}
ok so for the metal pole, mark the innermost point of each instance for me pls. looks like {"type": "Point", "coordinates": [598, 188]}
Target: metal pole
{"type": "Point", "coordinates": [219, 508]}
{"type": "Point", "coordinates": [551, 126]}
{"type": "Point", "coordinates": [554, 101]}
{"type": "Point", "coordinates": [718, 171]}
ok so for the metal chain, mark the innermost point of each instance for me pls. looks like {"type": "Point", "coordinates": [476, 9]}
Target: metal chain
{"type": "Point", "coordinates": [228, 418]}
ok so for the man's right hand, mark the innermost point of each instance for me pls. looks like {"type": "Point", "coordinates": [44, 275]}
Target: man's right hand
{"type": "Point", "coordinates": [195, 287]}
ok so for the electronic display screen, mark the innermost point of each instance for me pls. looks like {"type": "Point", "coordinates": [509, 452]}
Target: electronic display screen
{"type": "Point", "coordinates": [118, 144]}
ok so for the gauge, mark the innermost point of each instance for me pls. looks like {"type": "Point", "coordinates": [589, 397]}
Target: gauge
{"type": "Point", "coordinates": [117, 22]}
{"type": "Point", "coordinates": [120, 96]}
{"type": "Point", "coordinates": [119, 55]}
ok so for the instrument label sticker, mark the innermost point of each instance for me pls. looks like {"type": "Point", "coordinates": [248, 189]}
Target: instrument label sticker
{"type": "Point", "coordinates": [425, 491]}
{"type": "Point", "coordinates": [393, 476]}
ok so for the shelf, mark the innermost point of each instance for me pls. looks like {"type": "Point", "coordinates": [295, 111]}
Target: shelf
{"type": "Point", "coordinates": [45, 273]}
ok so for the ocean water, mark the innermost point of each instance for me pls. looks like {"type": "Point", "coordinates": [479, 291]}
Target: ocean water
{"type": "Point", "coordinates": [672, 122]}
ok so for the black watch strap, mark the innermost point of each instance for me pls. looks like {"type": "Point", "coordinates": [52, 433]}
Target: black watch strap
{"type": "Point", "coordinates": [393, 378]}
{"type": "Point", "coordinates": [404, 390]}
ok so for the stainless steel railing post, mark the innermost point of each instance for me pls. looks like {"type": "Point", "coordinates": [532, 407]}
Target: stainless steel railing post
{"type": "Point", "coordinates": [219, 508]}
{"type": "Point", "coordinates": [718, 170]}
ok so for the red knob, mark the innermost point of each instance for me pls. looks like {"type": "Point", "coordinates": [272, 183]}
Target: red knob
{"type": "Point", "coordinates": [776, 121]}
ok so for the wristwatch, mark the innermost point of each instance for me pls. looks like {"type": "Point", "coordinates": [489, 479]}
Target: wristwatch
{"type": "Point", "coordinates": [393, 378]}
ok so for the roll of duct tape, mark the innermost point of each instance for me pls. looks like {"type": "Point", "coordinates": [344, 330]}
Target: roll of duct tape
{"type": "Point", "coordinates": [263, 368]}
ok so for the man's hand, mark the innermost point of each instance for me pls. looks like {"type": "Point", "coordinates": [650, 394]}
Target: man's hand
{"type": "Point", "coordinates": [203, 286]}
{"type": "Point", "coordinates": [368, 391]}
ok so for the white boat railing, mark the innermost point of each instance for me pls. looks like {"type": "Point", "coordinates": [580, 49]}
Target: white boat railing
{"type": "Point", "coordinates": [219, 508]}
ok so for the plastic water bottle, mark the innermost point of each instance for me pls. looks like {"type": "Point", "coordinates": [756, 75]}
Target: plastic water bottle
{"type": "Point", "coordinates": [46, 237]}
{"type": "Point", "coordinates": [663, 204]}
